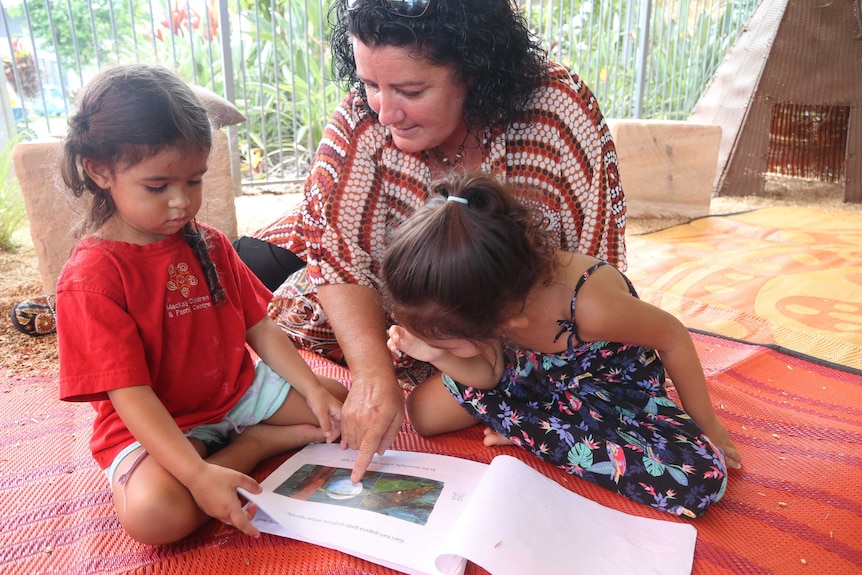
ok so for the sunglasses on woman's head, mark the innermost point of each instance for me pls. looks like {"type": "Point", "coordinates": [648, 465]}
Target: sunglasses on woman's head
{"type": "Point", "coordinates": [406, 8]}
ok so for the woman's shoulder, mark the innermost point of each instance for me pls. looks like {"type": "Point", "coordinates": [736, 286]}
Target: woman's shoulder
{"type": "Point", "coordinates": [560, 77]}
{"type": "Point", "coordinates": [563, 103]}
{"type": "Point", "coordinates": [561, 87]}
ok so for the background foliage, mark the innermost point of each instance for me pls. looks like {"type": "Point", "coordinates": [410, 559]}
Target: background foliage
{"type": "Point", "coordinates": [12, 210]}
{"type": "Point", "coordinates": [270, 57]}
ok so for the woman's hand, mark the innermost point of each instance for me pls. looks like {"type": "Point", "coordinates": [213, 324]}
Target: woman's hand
{"type": "Point", "coordinates": [374, 409]}
{"type": "Point", "coordinates": [372, 416]}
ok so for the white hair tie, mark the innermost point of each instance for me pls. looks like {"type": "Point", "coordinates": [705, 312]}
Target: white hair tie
{"type": "Point", "coordinates": [457, 199]}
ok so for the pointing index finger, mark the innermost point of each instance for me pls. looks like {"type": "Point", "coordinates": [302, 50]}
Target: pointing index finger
{"type": "Point", "coordinates": [363, 460]}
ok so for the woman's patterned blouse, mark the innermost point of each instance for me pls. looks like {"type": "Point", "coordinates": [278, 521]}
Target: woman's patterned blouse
{"type": "Point", "coordinates": [361, 186]}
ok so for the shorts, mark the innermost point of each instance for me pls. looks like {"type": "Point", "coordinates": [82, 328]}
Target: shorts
{"type": "Point", "coordinates": [267, 393]}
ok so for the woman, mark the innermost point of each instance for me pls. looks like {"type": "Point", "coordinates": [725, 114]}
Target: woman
{"type": "Point", "coordinates": [438, 85]}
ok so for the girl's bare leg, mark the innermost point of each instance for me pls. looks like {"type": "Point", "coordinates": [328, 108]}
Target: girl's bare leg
{"type": "Point", "coordinates": [432, 410]}
{"type": "Point", "coordinates": [292, 425]}
{"type": "Point", "coordinates": [154, 508]}
{"type": "Point", "coordinates": [295, 409]}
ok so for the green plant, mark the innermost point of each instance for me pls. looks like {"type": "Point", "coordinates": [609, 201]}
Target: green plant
{"type": "Point", "coordinates": [600, 41]}
{"type": "Point", "coordinates": [281, 71]}
{"type": "Point", "coordinates": [77, 31]}
{"type": "Point", "coordinates": [289, 93]}
{"type": "Point", "coordinates": [12, 210]}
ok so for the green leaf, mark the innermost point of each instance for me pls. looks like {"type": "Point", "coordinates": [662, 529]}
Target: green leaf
{"type": "Point", "coordinates": [678, 475]}
{"type": "Point", "coordinates": [654, 467]}
{"type": "Point", "coordinates": [581, 454]}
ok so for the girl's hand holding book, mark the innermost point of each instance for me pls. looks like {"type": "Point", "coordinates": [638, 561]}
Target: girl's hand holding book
{"type": "Point", "coordinates": [215, 492]}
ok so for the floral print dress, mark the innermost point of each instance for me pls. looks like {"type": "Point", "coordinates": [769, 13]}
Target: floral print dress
{"type": "Point", "coordinates": [599, 410]}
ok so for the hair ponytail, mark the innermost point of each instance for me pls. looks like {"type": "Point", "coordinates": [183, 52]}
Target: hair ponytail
{"type": "Point", "coordinates": [458, 269]}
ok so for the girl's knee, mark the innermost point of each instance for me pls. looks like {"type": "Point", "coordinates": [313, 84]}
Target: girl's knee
{"type": "Point", "coordinates": [156, 512]}
{"type": "Point", "coordinates": [432, 410]}
{"type": "Point", "coordinates": [158, 529]}
{"type": "Point", "coordinates": [705, 488]}
{"type": "Point", "coordinates": [334, 387]}
{"type": "Point", "coordinates": [430, 417]}
{"type": "Point", "coordinates": [417, 415]}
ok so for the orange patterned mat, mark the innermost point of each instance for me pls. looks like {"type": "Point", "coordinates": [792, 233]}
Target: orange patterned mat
{"type": "Point", "coordinates": [790, 277]}
{"type": "Point", "coordinates": [796, 507]}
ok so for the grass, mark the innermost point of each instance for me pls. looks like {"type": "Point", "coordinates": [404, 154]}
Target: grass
{"type": "Point", "coordinates": [12, 211]}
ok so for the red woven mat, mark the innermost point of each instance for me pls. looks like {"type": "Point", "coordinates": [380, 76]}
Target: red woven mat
{"type": "Point", "coordinates": [796, 507]}
{"type": "Point", "coordinates": [789, 278]}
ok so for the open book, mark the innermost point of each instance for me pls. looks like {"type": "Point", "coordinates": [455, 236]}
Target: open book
{"type": "Point", "coordinates": [429, 514]}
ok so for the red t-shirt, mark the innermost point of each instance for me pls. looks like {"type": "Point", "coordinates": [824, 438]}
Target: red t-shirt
{"type": "Point", "coordinates": [130, 315]}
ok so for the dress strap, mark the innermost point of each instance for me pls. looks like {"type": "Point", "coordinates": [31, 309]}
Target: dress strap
{"type": "Point", "coordinates": [570, 325]}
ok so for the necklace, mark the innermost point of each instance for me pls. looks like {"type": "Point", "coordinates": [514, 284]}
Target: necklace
{"type": "Point", "coordinates": [456, 158]}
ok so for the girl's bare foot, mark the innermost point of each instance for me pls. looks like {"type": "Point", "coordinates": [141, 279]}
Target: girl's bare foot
{"type": "Point", "coordinates": [493, 439]}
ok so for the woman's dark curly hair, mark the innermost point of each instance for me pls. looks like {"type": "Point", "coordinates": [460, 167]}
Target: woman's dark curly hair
{"type": "Point", "coordinates": [495, 55]}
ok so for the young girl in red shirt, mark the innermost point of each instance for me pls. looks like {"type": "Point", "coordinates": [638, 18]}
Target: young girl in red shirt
{"type": "Point", "coordinates": [154, 315]}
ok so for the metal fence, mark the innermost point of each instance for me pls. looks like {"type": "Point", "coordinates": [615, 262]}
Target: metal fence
{"type": "Point", "coordinates": [642, 58]}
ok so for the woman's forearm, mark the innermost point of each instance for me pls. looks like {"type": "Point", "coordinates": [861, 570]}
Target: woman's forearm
{"type": "Point", "coordinates": [374, 409]}
{"type": "Point", "coordinates": [357, 318]}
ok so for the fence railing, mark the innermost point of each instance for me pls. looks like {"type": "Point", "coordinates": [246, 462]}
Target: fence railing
{"type": "Point", "coordinates": [642, 58]}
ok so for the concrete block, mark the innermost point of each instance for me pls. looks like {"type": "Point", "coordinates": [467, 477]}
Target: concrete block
{"type": "Point", "coordinates": [220, 189]}
{"type": "Point", "coordinates": [667, 168]}
{"type": "Point", "coordinates": [55, 214]}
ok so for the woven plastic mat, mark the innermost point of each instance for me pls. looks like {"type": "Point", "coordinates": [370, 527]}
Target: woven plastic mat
{"type": "Point", "coordinates": [786, 280]}
{"type": "Point", "coordinates": [796, 507]}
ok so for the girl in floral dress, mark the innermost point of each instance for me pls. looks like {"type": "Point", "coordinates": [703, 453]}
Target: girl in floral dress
{"type": "Point", "coordinates": [551, 350]}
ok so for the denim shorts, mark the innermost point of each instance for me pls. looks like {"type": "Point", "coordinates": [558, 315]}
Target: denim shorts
{"type": "Point", "coordinates": [267, 393]}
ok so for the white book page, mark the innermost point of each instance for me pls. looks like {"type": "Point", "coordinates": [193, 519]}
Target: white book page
{"type": "Point", "coordinates": [408, 503]}
{"type": "Point", "coordinates": [519, 521]}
